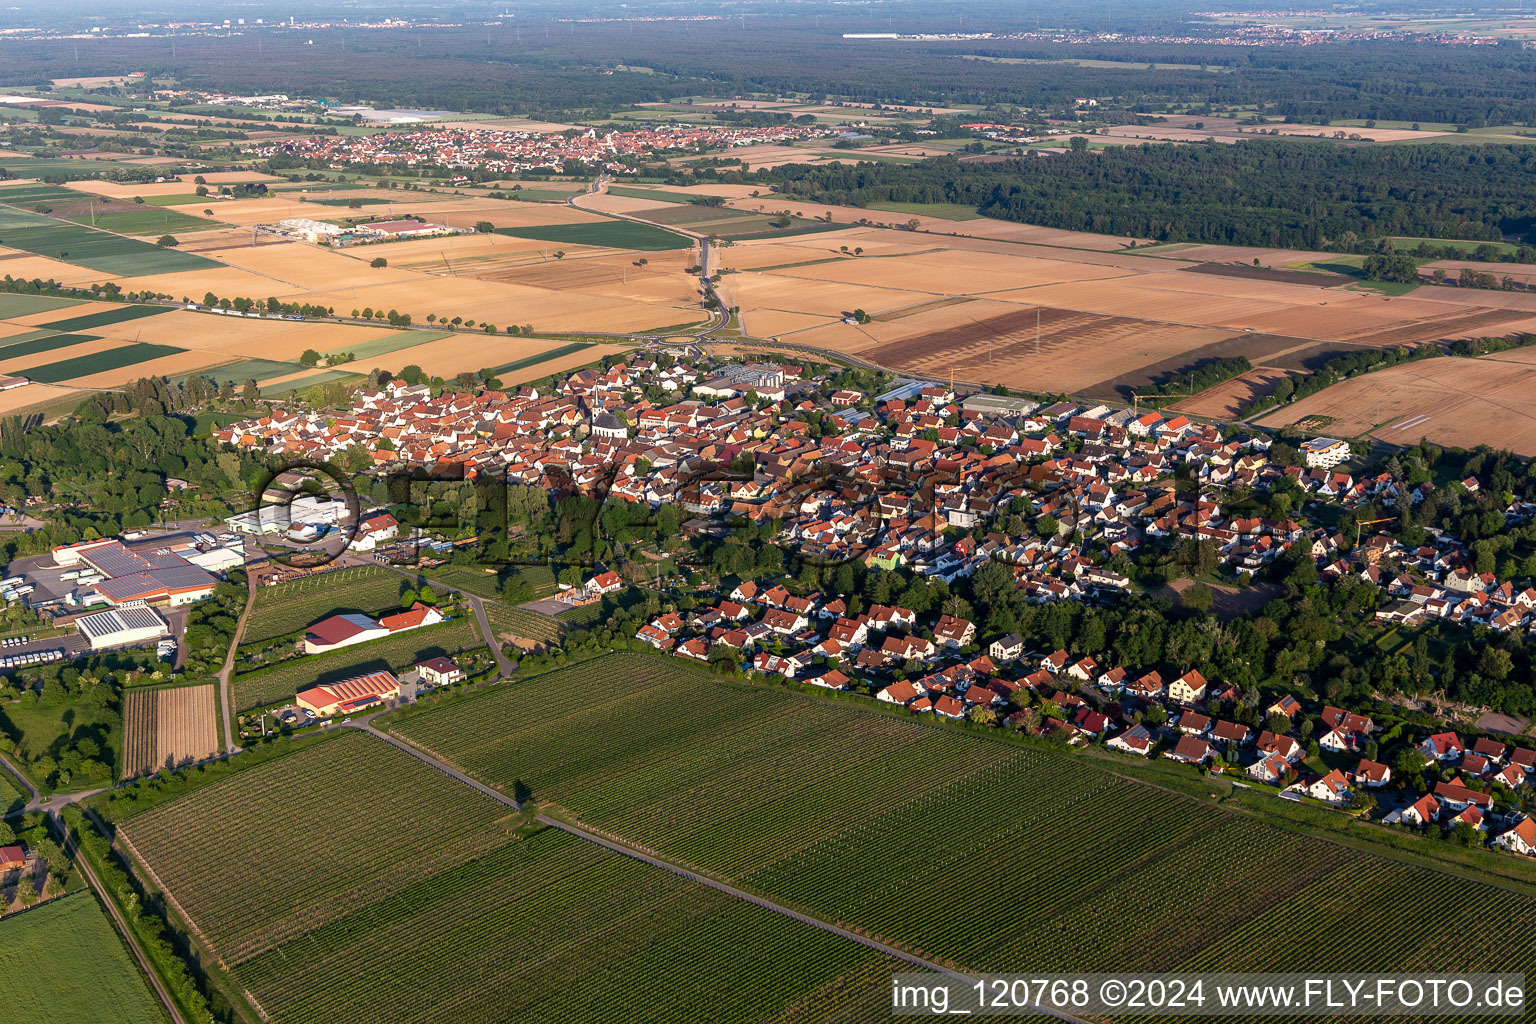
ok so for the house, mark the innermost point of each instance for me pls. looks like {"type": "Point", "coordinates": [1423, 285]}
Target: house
{"type": "Point", "coordinates": [1090, 721]}
{"type": "Point", "coordinates": [604, 583]}
{"type": "Point", "coordinates": [1442, 746]}
{"type": "Point", "coordinates": [1511, 775]}
{"type": "Point", "coordinates": [12, 857]}
{"type": "Point", "coordinates": [1287, 706]}
{"type": "Point", "coordinates": [1456, 796]}
{"type": "Point", "coordinates": [1189, 688]}
{"type": "Point", "coordinates": [952, 632]}
{"type": "Point", "coordinates": [1192, 723]}
{"type": "Point", "coordinates": [1424, 811]}
{"type": "Point", "coordinates": [1332, 788]}
{"type": "Point", "coordinates": [1084, 669]}
{"type": "Point", "coordinates": [1270, 769]}
{"type": "Point", "coordinates": [349, 695]}
{"type": "Point", "coordinates": [1234, 734]}
{"type": "Point", "coordinates": [1493, 750]}
{"type": "Point", "coordinates": [1135, 740]}
{"type": "Point", "coordinates": [373, 530]}
{"type": "Point", "coordinates": [832, 679]}
{"type": "Point", "coordinates": [1283, 746]}
{"type": "Point", "coordinates": [1006, 648]}
{"type": "Point", "coordinates": [414, 617]}
{"type": "Point", "coordinates": [949, 707]}
{"type": "Point", "coordinates": [1346, 731]}
{"type": "Point", "coordinates": [1519, 839]}
{"type": "Point", "coordinates": [1191, 750]}
{"type": "Point", "coordinates": [903, 692]}
{"type": "Point", "coordinates": [1371, 774]}
{"type": "Point", "coordinates": [439, 672]}
{"type": "Point", "coordinates": [1055, 662]}
{"type": "Point", "coordinates": [1149, 686]}
{"type": "Point", "coordinates": [1324, 452]}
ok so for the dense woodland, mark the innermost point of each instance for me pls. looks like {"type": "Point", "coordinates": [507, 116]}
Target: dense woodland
{"type": "Point", "coordinates": [551, 67]}
{"type": "Point", "coordinates": [1300, 195]}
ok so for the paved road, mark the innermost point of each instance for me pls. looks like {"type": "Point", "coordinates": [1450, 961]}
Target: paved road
{"type": "Point", "coordinates": [122, 926]}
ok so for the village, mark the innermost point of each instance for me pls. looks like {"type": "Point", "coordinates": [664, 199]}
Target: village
{"type": "Point", "coordinates": [922, 479]}
{"type": "Point", "coordinates": [509, 151]}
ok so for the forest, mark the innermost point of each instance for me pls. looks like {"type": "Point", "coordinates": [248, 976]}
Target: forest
{"type": "Point", "coordinates": [549, 67]}
{"type": "Point", "coordinates": [1297, 195]}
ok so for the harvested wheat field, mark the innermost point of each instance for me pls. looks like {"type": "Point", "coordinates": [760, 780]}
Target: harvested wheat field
{"type": "Point", "coordinates": [305, 266]}
{"type": "Point", "coordinates": [29, 396]}
{"type": "Point", "coordinates": [168, 727]}
{"type": "Point", "coordinates": [1226, 400]}
{"type": "Point", "coordinates": [246, 338]}
{"type": "Point", "coordinates": [1451, 401]}
{"type": "Point", "coordinates": [461, 353]}
{"type": "Point", "coordinates": [661, 280]}
{"type": "Point", "coordinates": [25, 266]}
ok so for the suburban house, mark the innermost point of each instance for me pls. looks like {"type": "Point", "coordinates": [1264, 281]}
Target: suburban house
{"type": "Point", "coordinates": [1332, 788]}
{"type": "Point", "coordinates": [1371, 774]}
{"type": "Point", "coordinates": [1519, 839]}
{"type": "Point", "coordinates": [1135, 740]}
{"type": "Point", "coordinates": [1191, 750]}
{"type": "Point", "coordinates": [1442, 746]}
{"type": "Point", "coordinates": [952, 632]}
{"type": "Point", "coordinates": [1424, 811]}
{"type": "Point", "coordinates": [1189, 688]}
{"type": "Point", "coordinates": [1006, 648]}
{"type": "Point", "coordinates": [439, 672]}
{"type": "Point", "coordinates": [1269, 768]}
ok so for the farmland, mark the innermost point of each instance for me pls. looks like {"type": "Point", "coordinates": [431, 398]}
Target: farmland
{"type": "Point", "coordinates": [265, 888]}
{"type": "Point", "coordinates": [513, 624]}
{"type": "Point", "coordinates": [396, 652]}
{"type": "Point", "coordinates": [616, 234]}
{"type": "Point", "coordinates": [834, 810]}
{"type": "Point", "coordinates": [168, 726]}
{"type": "Point", "coordinates": [291, 606]}
{"type": "Point", "coordinates": [62, 961]}
{"type": "Point", "coordinates": [89, 247]}
{"type": "Point", "coordinates": [423, 879]}
{"type": "Point", "coordinates": [1452, 401]}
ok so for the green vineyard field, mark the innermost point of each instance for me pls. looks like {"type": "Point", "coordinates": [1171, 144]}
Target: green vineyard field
{"type": "Point", "coordinates": [982, 854]}
{"type": "Point", "coordinates": [524, 623]}
{"type": "Point", "coordinates": [291, 606]}
{"type": "Point", "coordinates": [350, 851]}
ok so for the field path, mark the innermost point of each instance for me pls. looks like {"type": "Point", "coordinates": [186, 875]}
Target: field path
{"type": "Point", "coordinates": [117, 920]}
{"type": "Point", "coordinates": [366, 724]}
{"type": "Point", "coordinates": [226, 698]}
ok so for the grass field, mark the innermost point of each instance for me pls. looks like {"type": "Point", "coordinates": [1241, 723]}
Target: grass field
{"type": "Point", "coordinates": [154, 221]}
{"type": "Point", "coordinates": [99, 362]}
{"type": "Point", "coordinates": [62, 962]}
{"type": "Point", "coordinates": [88, 247]}
{"type": "Point", "coordinates": [106, 317]}
{"type": "Point", "coordinates": [291, 606]}
{"type": "Point", "coordinates": [947, 211]}
{"type": "Point", "coordinates": [397, 653]}
{"type": "Point", "coordinates": [885, 824]}
{"type": "Point", "coordinates": [540, 357]}
{"type": "Point", "coordinates": [616, 234]}
{"type": "Point", "coordinates": [457, 919]}
{"type": "Point", "coordinates": [38, 341]}
{"type": "Point", "coordinates": [24, 305]}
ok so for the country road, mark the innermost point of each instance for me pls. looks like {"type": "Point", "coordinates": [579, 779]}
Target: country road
{"type": "Point", "coordinates": [226, 694]}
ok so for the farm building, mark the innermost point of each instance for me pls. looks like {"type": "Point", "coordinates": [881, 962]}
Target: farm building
{"type": "Point", "coordinates": [342, 631]}
{"type": "Point", "coordinates": [122, 627]}
{"type": "Point", "coordinates": [349, 695]}
{"type": "Point", "coordinates": [12, 857]}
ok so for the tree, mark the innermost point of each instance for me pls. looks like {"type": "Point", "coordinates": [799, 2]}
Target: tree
{"type": "Point", "coordinates": [310, 357]}
{"type": "Point", "coordinates": [408, 597]}
{"type": "Point", "coordinates": [377, 262]}
{"type": "Point", "coordinates": [1197, 598]}
{"type": "Point", "coordinates": [167, 242]}
{"type": "Point", "coordinates": [26, 892]}
{"type": "Point", "coordinates": [138, 200]}
{"type": "Point", "coordinates": [485, 227]}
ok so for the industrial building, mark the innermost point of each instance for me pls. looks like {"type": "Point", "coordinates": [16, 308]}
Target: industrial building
{"type": "Point", "coordinates": [122, 627]}
{"type": "Point", "coordinates": [125, 577]}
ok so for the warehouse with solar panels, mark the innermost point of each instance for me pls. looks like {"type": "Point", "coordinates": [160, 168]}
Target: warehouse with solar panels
{"type": "Point", "coordinates": [122, 627]}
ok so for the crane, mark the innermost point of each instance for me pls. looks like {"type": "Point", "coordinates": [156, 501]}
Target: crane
{"type": "Point", "coordinates": [1370, 522]}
